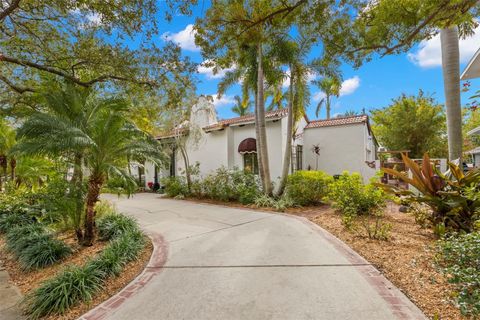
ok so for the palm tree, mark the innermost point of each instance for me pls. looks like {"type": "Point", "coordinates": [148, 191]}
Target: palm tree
{"type": "Point", "coordinates": [243, 104]}
{"type": "Point", "coordinates": [112, 138]}
{"type": "Point", "coordinates": [451, 82]}
{"type": "Point", "coordinates": [293, 53]}
{"type": "Point", "coordinates": [331, 88]}
{"type": "Point", "coordinates": [96, 134]}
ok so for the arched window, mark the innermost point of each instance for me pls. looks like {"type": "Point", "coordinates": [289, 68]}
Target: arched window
{"type": "Point", "coordinates": [248, 149]}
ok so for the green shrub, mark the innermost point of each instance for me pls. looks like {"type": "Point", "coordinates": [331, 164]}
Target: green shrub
{"type": "Point", "coordinates": [175, 186]}
{"type": "Point", "coordinates": [264, 201]}
{"type": "Point", "coordinates": [460, 259]}
{"type": "Point", "coordinates": [11, 220]}
{"type": "Point", "coordinates": [60, 293]}
{"type": "Point", "coordinates": [308, 187]}
{"type": "Point", "coordinates": [352, 197]}
{"type": "Point", "coordinates": [120, 251]}
{"type": "Point", "coordinates": [20, 237]}
{"type": "Point", "coordinates": [80, 284]}
{"type": "Point", "coordinates": [104, 208]}
{"type": "Point", "coordinates": [280, 204]}
{"type": "Point", "coordinates": [114, 225]}
{"type": "Point", "coordinates": [360, 205]}
{"type": "Point", "coordinates": [43, 252]}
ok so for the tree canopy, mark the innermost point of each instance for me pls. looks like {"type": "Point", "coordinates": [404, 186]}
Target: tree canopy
{"type": "Point", "coordinates": [84, 42]}
{"type": "Point", "coordinates": [415, 123]}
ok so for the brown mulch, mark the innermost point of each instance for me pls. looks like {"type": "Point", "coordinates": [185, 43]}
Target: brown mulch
{"type": "Point", "coordinates": [28, 281]}
{"type": "Point", "coordinates": [406, 259]}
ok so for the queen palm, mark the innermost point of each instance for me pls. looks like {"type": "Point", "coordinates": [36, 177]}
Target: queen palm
{"type": "Point", "coordinates": [95, 131]}
{"type": "Point", "coordinates": [331, 88]}
{"type": "Point", "coordinates": [451, 79]}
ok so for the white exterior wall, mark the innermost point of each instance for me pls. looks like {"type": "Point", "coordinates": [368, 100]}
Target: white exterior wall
{"type": "Point", "coordinates": [341, 148]}
{"type": "Point", "coordinates": [275, 145]}
{"type": "Point", "coordinates": [211, 152]}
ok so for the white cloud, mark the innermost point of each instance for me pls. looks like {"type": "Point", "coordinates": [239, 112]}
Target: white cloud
{"type": "Point", "coordinates": [208, 70]}
{"type": "Point", "coordinates": [286, 82]}
{"type": "Point", "coordinates": [429, 52]}
{"type": "Point", "coordinates": [185, 38]}
{"type": "Point", "coordinates": [222, 101]}
{"type": "Point", "coordinates": [349, 86]}
{"type": "Point", "coordinates": [318, 96]}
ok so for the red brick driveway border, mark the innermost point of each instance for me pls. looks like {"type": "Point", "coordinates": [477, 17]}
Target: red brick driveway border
{"type": "Point", "coordinates": [398, 303]}
{"type": "Point", "coordinates": [154, 267]}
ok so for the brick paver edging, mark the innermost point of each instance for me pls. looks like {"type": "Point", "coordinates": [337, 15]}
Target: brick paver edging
{"type": "Point", "coordinates": [403, 308]}
{"type": "Point", "coordinates": [153, 268]}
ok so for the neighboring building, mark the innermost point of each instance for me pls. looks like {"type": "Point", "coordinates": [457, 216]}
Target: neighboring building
{"type": "Point", "coordinates": [345, 143]}
{"type": "Point", "coordinates": [472, 71]}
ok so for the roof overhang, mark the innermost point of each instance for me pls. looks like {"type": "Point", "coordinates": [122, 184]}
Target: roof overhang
{"type": "Point", "coordinates": [474, 131]}
{"type": "Point", "coordinates": [472, 70]}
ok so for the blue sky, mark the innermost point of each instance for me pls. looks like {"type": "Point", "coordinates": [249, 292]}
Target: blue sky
{"type": "Point", "coordinates": [373, 85]}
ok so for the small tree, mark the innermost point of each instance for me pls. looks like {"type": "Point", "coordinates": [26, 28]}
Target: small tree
{"type": "Point", "coordinates": [415, 123]}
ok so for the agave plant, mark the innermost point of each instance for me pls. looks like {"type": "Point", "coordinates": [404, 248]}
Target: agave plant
{"type": "Point", "coordinates": [454, 197]}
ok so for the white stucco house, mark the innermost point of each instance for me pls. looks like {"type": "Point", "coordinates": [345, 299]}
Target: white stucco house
{"type": "Point", "coordinates": [334, 145]}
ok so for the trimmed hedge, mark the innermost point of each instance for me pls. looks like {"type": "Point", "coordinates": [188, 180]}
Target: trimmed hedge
{"type": "Point", "coordinates": [308, 187]}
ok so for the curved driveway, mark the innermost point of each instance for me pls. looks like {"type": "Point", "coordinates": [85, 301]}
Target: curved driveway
{"type": "Point", "coordinates": [226, 263]}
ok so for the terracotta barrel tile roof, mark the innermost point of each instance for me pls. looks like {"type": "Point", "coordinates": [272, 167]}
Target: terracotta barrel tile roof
{"type": "Point", "coordinates": [337, 121]}
{"type": "Point", "coordinates": [246, 119]}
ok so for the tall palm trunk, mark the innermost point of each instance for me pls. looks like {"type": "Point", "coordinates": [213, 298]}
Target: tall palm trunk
{"type": "Point", "coordinates": [260, 121]}
{"type": "Point", "coordinates": [288, 144]}
{"type": "Point", "coordinates": [328, 106]}
{"type": "Point", "coordinates": [257, 134]}
{"type": "Point", "coordinates": [451, 82]}
{"type": "Point", "coordinates": [95, 183]}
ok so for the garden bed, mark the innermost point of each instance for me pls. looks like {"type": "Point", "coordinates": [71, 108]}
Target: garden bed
{"type": "Point", "coordinates": [27, 281]}
{"type": "Point", "coordinates": [406, 259]}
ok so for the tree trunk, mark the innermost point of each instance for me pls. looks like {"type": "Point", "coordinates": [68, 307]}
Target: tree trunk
{"type": "Point", "coordinates": [13, 166]}
{"type": "Point", "coordinates": [327, 106]}
{"type": "Point", "coordinates": [288, 144]}
{"type": "Point", "coordinates": [257, 134]}
{"type": "Point", "coordinates": [187, 167]}
{"type": "Point", "coordinates": [451, 82]}
{"type": "Point", "coordinates": [263, 150]}
{"type": "Point", "coordinates": [94, 185]}
{"type": "Point", "coordinates": [76, 193]}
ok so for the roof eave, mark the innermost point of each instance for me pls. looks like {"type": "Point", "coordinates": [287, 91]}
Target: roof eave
{"type": "Point", "coordinates": [472, 70]}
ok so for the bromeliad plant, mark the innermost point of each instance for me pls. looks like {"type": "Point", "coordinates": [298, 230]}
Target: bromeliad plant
{"type": "Point", "coordinates": [454, 197]}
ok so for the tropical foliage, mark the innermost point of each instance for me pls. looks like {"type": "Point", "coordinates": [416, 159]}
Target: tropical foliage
{"type": "Point", "coordinates": [453, 197]}
{"type": "Point", "coordinates": [308, 187]}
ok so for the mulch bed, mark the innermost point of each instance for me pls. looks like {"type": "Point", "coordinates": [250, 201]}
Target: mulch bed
{"type": "Point", "coordinates": [407, 259]}
{"type": "Point", "coordinates": [27, 281]}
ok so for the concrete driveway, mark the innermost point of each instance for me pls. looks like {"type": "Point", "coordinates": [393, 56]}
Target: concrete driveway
{"type": "Point", "coordinates": [227, 263]}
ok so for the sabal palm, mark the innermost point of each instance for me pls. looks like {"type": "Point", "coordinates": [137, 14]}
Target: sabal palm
{"type": "Point", "coordinates": [331, 88]}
